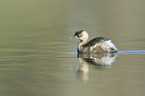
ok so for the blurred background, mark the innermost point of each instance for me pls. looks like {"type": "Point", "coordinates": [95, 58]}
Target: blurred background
{"type": "Point", "coordinates": [35, 46]}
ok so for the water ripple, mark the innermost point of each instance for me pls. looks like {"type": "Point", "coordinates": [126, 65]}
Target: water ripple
{"type": "Point", "coordinates": [123, 52]}
{"type": "Point", "coordinates": [132, 52]}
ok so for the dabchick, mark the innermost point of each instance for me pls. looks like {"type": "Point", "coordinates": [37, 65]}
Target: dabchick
{"type": "Point", "coordinates": [96, 45]}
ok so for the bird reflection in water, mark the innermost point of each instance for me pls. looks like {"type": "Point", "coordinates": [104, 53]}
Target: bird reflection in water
{"type": "Point", "coordinates": [97, 61]}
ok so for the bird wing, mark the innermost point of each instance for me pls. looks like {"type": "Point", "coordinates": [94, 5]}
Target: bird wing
{"type": "Point", "coordinates": [96, 40]}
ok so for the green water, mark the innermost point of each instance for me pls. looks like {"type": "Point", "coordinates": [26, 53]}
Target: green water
{"type": "Point", "coordinates": [35, 48]}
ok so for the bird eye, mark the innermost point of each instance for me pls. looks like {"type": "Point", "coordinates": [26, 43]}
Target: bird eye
{"type": "Point", "coordinates": [78, 34]}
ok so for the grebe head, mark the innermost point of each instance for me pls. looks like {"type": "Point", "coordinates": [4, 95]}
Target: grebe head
{"type": "Point", "coordinates": [81, 35]}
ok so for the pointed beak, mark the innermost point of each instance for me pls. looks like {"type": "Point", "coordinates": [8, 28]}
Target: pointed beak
{"type": "Point", "coordinates": [72, 37]}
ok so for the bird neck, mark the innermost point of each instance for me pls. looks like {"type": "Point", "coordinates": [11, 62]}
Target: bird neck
{"type": "Point", "coordinates": [83, 42]}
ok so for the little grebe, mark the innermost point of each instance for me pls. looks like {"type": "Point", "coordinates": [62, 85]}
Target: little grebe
{"type": "Point", "coordinates": [96, 45]}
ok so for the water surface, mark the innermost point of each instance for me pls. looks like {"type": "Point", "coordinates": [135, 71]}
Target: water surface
{"type": "Point", "coordinates": [35, 48]}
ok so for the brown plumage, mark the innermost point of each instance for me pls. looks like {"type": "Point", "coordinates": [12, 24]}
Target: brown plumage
{"type": "Point", "coordinates": [96, 45]}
